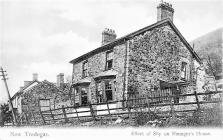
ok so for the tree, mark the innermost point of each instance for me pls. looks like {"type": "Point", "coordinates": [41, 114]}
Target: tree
{"type": "Point", "coordinates": [214, 65]}
{"type": "Point", "coordinates": [69, 80]}
{"type": "Point", "coordinates": [6, 114]}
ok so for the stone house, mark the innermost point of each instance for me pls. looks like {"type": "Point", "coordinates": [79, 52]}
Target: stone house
{"type": "Point", "coordinates": [153, 58]}
{"type": "Point", "coordinates": [17, 99]}
{"type": "Point", "coordinates": [45, 95]}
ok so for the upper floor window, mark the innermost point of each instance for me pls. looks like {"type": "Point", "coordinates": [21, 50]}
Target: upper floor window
{"type": "Point", "coordinates": [109, 60]}
{"type": "Point", "coordinates": [85, 69]}
{"type": "Point", "coordinates": [183, 70]}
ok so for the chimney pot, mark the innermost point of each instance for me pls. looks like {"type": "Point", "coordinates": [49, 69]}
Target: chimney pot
{"type": "Point", "coordinates": [60, 80]}
{"type": "Point", "coordinates": [164, 10]}
{"type": "Point", "coordinates": [35, 76]}
{"type": "Point", "coordinates": [108, 35]}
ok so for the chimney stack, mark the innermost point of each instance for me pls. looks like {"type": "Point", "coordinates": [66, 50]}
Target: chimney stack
{"type": "Point", "coordinates": [164, 11]}
{"type": "Point", "coordinates": [35, 76]}
{"type": "Point", "coordinates": [108, 35]}
{"type": "Point", "coordinates": [60, 80]}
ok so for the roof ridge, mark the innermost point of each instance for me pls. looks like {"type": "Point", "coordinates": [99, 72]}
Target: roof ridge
{"type": "Point", "coordinates": [128, 36]}
{"type": "Point", "coordinates": [140, 31]}
{"type": "Point", "coordinates": [20, 90]}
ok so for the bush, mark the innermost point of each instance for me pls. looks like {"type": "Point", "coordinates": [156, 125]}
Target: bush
{"type": "Point", "coordinates": [143, 117]}
{"type": "Point", "coordinates": [206, 117]}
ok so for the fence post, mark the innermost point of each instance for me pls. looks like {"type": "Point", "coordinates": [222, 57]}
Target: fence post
{"type": "Point", "coordinates": [172, 113]}
{"type": "Point", "coordinates": [129, 109]}
{"type": "Point", "coordinates": [147, 102]}
{"type": "Point", "coordinates": [41, 114]}
{"type": "Point", "coordinates": [197, 100]}
{"type": "Point", "coordinates": [64, 114]}
{"type": "Point", "coordinates": [44, 122]}
{"type": "Point", "coordinates": [52, 115]}
{"type": "Point", "coordinates": [92, 111]}
{"type": "Point", "coordinates": [34, 118]}
{"type": "Point", "coordinates": [32, 114]}
{"type": "Point", "coordinates": [109, 111]}
{"type": "Point", "coordinates": [141, 103]}
{"type": "Point", "coordinates": [26, 118]}
{"type": "Point", "coordinates": [136, 105]}
{"type": "Point", "coordinates": [77, 113]}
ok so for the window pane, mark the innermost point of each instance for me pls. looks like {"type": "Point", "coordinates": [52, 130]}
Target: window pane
{"type": "Point", "coordinates": [85, 65]}
{"type": "Point", "coordinates": [109, 59]}
{"type": "Point", "coordinates": [84, 98]}
{"type": "Point", "coordinates": [109, 64]}
{"type": "Point", "coordinates": [109, 55]}
{"type": "Point", "coordinates": [108, 90]}
{"type": "Point", "coordinates": [100, 97]}
{"type": "Point", "coordinates": [44, 104]}
{"type": "Point", "coordinates": [109, 95]}
{"type": "Point", "coordinates": [183, 70]}
{"type": "Point", "coordinates": [107, 85]}
{"type": "Point", "coordinates": [85, 71]}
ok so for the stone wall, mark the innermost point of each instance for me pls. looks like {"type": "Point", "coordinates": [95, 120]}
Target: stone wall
{"type": "Point", "coordinates": [96, 65]}
{"type": "Point", "coordinates": [43, 90]}
{"type": "Point", "coordinates": [154, 55]}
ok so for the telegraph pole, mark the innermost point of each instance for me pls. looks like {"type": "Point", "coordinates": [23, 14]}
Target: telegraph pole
{"type": "Point", "coordinates": [7, 89]}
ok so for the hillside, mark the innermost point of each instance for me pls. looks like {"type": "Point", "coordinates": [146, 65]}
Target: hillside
{"type": "Point", "coordinates": [210, 44]}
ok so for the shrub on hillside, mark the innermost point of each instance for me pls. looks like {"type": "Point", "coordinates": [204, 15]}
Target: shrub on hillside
{"type": "Point", "coordinates": [143, 117]}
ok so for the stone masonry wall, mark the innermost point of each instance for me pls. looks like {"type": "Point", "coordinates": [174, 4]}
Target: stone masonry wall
{"type": "Point", "coordinates": [96, 65]}
{"type": "Point", "coordinates": [44, 90]}
{"type": "Point", "coordinates": [154, 55]}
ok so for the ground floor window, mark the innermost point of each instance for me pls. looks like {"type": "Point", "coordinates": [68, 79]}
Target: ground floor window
{"type": "Point", "coordinates": [104, 90]}
{"type": "Point", "coordinates": [108, 90]}
{"type": "Point", "coordinates": [99, 92]}
{"type": "Point", "coordinates": [80, 94]}
{"type": "Point", "coordinates": [84, 98]}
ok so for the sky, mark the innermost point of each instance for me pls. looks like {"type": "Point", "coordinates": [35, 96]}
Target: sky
{"type": "Point", "coordinates": [42, 36]}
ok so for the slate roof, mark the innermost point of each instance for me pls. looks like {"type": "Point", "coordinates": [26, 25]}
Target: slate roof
{"type": "Point", "coordinates": [112, 44]}
{"type": "Point", "coordinates": [18, 93]}
{"type": "Point", "coordinates": [21, 91]}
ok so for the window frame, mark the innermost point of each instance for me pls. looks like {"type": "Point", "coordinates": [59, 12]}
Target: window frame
{"type": "Point", "coordinates": [85, 69]}
{"type": "Point", "coordinates": [100, 96]}
{"type": "Point", "coordinates": [44, 106]}
{"type": "Point", "coordinates": [183, 74]}
{"type": "Point", "coordinates": [83, 96]}
{"type": "Point", "coordinates": [109, 60]}
{"type": "Point", "coordinates": [107, 90]}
